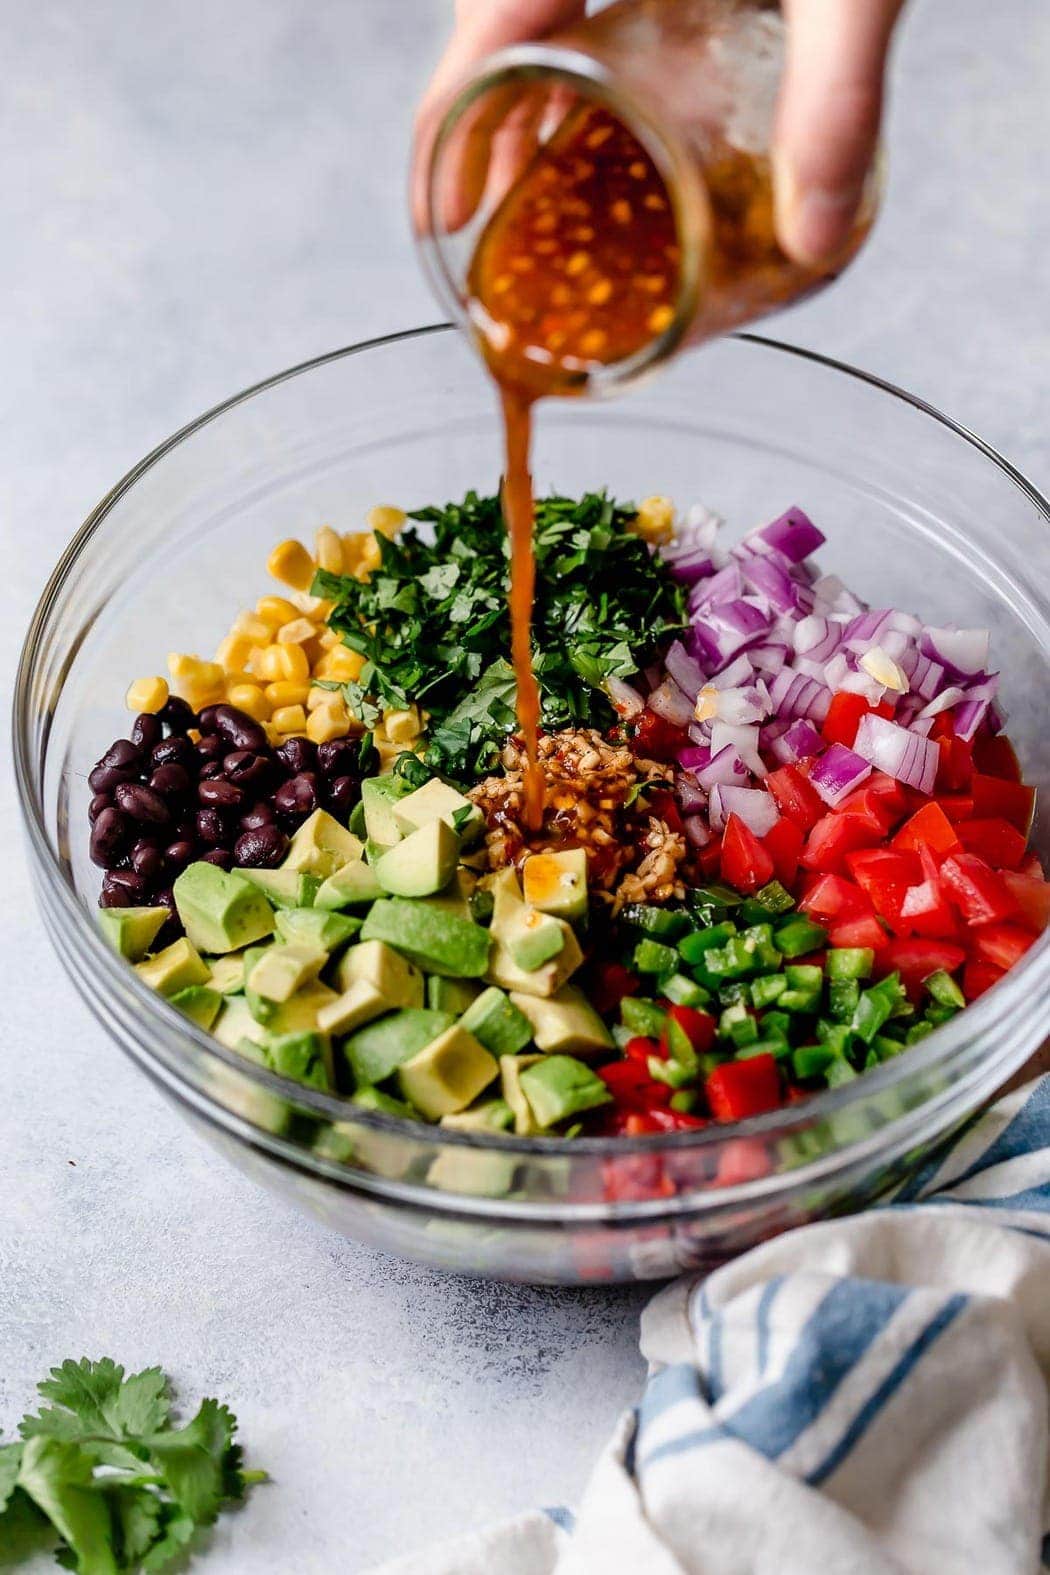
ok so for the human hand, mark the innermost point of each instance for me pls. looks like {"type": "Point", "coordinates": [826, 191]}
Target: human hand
{"type": "Point", "coordinates": [827, 119]}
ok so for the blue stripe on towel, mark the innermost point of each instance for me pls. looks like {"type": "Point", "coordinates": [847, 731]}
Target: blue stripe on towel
{"type": "Point", "coordinates": [560, 1515]}
{"type": "Point", "coordinates": [667, 1388]}
{"type": "Point", "coordinates": [1033, 1200]}
{"type": "Point", "coordinates": [881, 1397]}
{"type": "Point", "coordinates": [1028, 1132]}
{"type": "Point", "coordinates": [765, 1301]}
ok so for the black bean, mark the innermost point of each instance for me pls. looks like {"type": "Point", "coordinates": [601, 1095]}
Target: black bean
{"type": "Point", "coordinates": [147, 860]}
{"type": "Point", "coordinates": [211, 771]}
{"type": "Point", "coordinates": [186, 825]}
{"type": "Point", "coordinates": [146, 730]}
{"type": "Point", "coordinates": [176, 715]}
{"type": "Point", "coordinates": [220, 794]}
{"type": "Point", "coordinates": [210, 747]}
{"type": "Point", "coordinates": [260, 814]}
{"type": "Point", "coordinates": [100, 802]}
{"type": "Point", "coordinates": [172, 780]}
{"type": "Point", "coordinates": [174, 751]}
{"type": "Point", "coordinates": [220, 856]}
{"type": "Point", "coordinates": [206, 719]}
{"type": "Point", "coordinates": [123, 889]}
{"type": "Point", "coordinates": [121, 763]}
{"type": "Point", "coordinates": [342, 795]}
{"type": "Point", "coordinates": [260, 849]}
{"type": "Point", "coordinates": [240, 730]}
{"type": "Point", "coordinates": [211, 828]}
{"type": "Point", "coordinates": [142, 803]}
{"type": "Point", "coordinates": [337, 758]}
{"type": "Point", "coordinates": [297, 754]}
{"type": "Point", "coordinates": [247, 769]}
{"type": "Point", "coordinates": [108, 836]}
{"type": "Point", "coordinates": [178, 854]}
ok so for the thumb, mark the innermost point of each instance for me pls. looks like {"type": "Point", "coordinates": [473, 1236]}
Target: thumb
{"type": "Point", "coordinates": [828, 119]}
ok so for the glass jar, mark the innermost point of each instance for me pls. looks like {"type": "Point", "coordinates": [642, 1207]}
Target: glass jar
{"type": "Point", "coordinates": [695, 84]}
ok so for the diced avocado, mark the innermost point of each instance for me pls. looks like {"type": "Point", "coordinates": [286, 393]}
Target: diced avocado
{"type": "Point", "coordinates": [350, 887]}
{"type": "Point", "coordinates": [384, 969]}
{"type": "Point", "coordinates": [199, 1003]}
{"type": "Point", "coordinates": [448, 1074]}
{"type": "Point", "coordinates": [557, 883]}
{"type": "Point", "coordinates": [351, 1143]}
{"type": "Point", "coordinates": [260, 1006]}
{"type": "Point", "coordinates": [175, 968]}
{"type": "Point", "coordinates": [472, 1171]}
{"type": "Point", "coordinates": [281, 970]}
{"type": "Point", "coordinates": [302, 1056]}
{"type": "Point", "coordinates": [221, 912]}
{"type": "Point", "coordinates": [535, 940]}
{"type": "Point", "coordinates": [451, 995]}
{"type": "Point", "coordinates": [527, 944]}
{"type": "Point", "coordinates": [299, 1015]}
{"type": "Point", "coordinates": [376, 1051]}
{"type": "Point", "coordinates": [455, 898]}
{"type": "Point", "coordinates": [321, 846]}
{"type": "Point", "coordinates": [378, 797]}
{"type": "Point", "coordinates": [227, 973]}
{"type": "Point", "coordinates": [544, 981]}
{"type": "Point", "coordinates": [356, 1006]}
{"type": "Point", "coordinates": [510, 1069]}
{"type": "Point", "coordinates": [316, 928]}
{"type": "Point", "coordinates": [422, 864]}
{"type": "Point", "coordinates": [370, 1098]}
{"type": "Point", "coordinates": [435, 800]}
{"type": "Point", "coordinates": [566, 1021]}
{"type": "Point", "coordinates": [283, 888]}
{"type": "Point", "coordinates": [131, 931]}
{"type": "Point", "coordinates": [493, 1115]}
{"type": "Point", "coordinates": [440, 942]}
{"type": "Point", "coordinates": [236, 1023]}
{"type": "Point", "coordinates": [559, 1086]}
{"type": "Point", "coordinates": [497, 1023]}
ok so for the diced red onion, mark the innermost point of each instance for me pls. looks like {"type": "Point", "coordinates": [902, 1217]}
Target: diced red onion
{"type": "Point", "coordinates": [697, 830]}
{"type": "Point", "coordinates": [693, 756]}
{"type": "Point", "coordinates": [691, 796]}
{"type": "Point", "coordinates": [733, 674]}
{"type": "Point", "coordinates": [836, 670]}
{"type": "Point", "coordinates": [626, 701]}
{"type": "Point", "coordinates": [793, 533]}
{"type": "Point", "coordinates": [861, 683]}
{"type": "Point", "coordinates": [691, 567]}
{"type": "Point", "coordinates": [894, 642]}
{"type": "Point", "coordinates": [702, 524]}
{"type": "Point", "coordinates": [837, 772]}
{"type": "Point", "coordinates": [944, 701]}
{"type": "Point", "coordinates": [768, 657]}
{"type": "Point", "coordinates": [968, 717]}
{"type": "Point", "coordinates": [725, 586]}
{"type": "Point", "coordinates": [904, 623]}
{"type": "Point", "coordinates": [778, 586]}
{"type": "Point", "coordinates": [920, 724]}
{"type": "Point", "coordinates": [752, 805]}
{"type": "Point", "coordinates": [868, 626]}
{"type": "Point", "coordinates": [685, 670]}
{"type": "Point", "coordinates": [741, 707]}
{"type": "Point", "coordinates": [832, 594]}
{"type": "Point", "coordinates": [743, 739]}
{"type": "Point", "coordinates": [816, 637]}
{"type": "Point", "coordinates": [798, 742]}
{"type": "Point", "coordinates": [961, 651]}
{"type": "Point", "coordinates": [793, 694]}
{"type": "Point", "coordinates": [927, 680]}
{"type": "Point", "coordinates": [669, 702]}
{"type": "Point", "coordinates": [725, 768]}
{"type": "Point", "coordinates": [897, 751]}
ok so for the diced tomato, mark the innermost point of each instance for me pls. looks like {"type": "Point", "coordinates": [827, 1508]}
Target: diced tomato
{"type": "Point", "coordinates": [978, 977]}
{"type": "Point", "coordinates": [743, 1088]}
{"type": "Point", "coordinates": [833, 898]}
{"type": "Point", "coordinates": [1033, 866]}
{"type": "Point", "coordinates": [640, 1049]}
{"type": "Point", "coordinates": [784, 846]}
{"type": "Point", "coordinates": [844, 716]}
{"type": "Point", "coordinates": [795, 797]}
{"type": "Point", "coordinates": [870, 807]}
{"type": "Point", "coordinates": [885, 874]}
{"type": "Point", "coordinates": [955, 767]}
{"type": "Point", "coordinates": [1032, 896]}
{"type": "Point", "coordinates": [1002, 945]}
{"type": "Point", "coordinates": [698, 1027]}
{"type": "Point", "coordinates": [957, 806]}
{"type": "Point", "coordinates": [632, 1178]}
{"type": "Point", "coordinates": [657, 739]}
{"type": "Point", "coordinates": [995, 756]}
{"type": "Point", "coordinates": [632, 1087]}
{"type": "Point", "coordinates": [1013, 801]}
{"type": "Point", "coordinates": [927, 911]}
{"type": "Point", "coordinates": [666, 809]}
{"type": "Point", "coordinates": [742, 1159]}
{"type": "Point", "coordinates": [864, 930]}
{"type": "Point", "coordinates": [674, 1121]}
{"type": "Point", "coordinates": [928, 827]}
{"type": "Point", "coordinates": [915, 960]}
{"type": "Point", "coordinates": [709, 859]}
{"type": "Point", "coordinates": [979, 892]}
{"type": "Point", "coordinates": [745, 863]}
{"type": "Point", "coordinates": [833, 837]}
{"type": "Point", "coordinates": [999, 844]}
{"type": "Point", "coordinates": [610, 982]}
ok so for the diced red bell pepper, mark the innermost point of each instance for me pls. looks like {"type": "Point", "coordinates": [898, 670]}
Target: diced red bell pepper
{"type": "Point", "coordinates": [795, 797]}
{"type": "Point", "coordinates": [979, 892]}
{"type": "Point", "coordinates": [1032, 896]}
{"type": "Point", "coordinates": [745, 863]}
{"type": "Point", "coordinates": [739, 1089]}
{"type": "Point", "coordinates": [979, 977]}
{"type": "Point", "coordinates": [657, 739]}
{"type": "Point", "coordinates": [640, 1049]}
{"type": "Point", "coordinates": [632, 1178]}
{"type": "Point", "coordinates": [610, 982]}
{"type": "Point", "coordinates": [674, 1121]}
{"type": "Point", "coordinates": [632, 1087]}
{"type": "Point", "coordinates": [995, 756]}
{"type": "Point", "coordinates": [784, 846]}
{"type": "Point", "coordinates": [1013, 801]}
{"type": "Point", "coordinates": [698, 1027]}
{"type": "Point", "coordinates": [742, 1159]}
{"type": "Point", "coordinates": [864, 930]}
{"type": "Point", "coordinates": [915, 960]}
{"type": "Point", "coordinates": [833, 898]}
{"type": "Point", "coordinates": [998, 842]}
{"type": "Point", "coordinates": [1033, 866]}
{"type": "Point", "coordinates": [835, 836]}
{"type": "Point", "coordinates": [1002, 945]}
{"type": "Point", "coordinates": [885, 874]}
{"type": "Point", "coordinates": [955, 766]}
{"type": "Point", "coordinates": [928, 827]}
{"type": "Point", "coordinates": [845, 714]}
{"type": "Point", "coordinates": [957, 806]}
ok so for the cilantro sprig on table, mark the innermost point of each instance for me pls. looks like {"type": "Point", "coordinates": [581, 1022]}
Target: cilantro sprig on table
{"type": "Point", "coordinates": [433, 626]}
{"type": "Point", "coordinates": [104, 1470]}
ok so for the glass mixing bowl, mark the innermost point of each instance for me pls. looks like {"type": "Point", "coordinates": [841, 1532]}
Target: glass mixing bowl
{"type": "Point", "coordinates": [918, 513]}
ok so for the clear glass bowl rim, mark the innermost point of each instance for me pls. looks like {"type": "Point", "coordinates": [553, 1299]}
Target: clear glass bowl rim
{"type": "Point", "coordinates": [938, 1051]}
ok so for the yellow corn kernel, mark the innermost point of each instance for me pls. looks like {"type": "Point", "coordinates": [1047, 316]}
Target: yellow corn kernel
{"type": "Point", "coordinates": [353, 541]}
{"type": "Point", "coordinates": [322, 699]}
{"type": "Point", "coordinates": [328, 639]}
{"type": "Point", "coordinates": [278, 662]}
{"type": "Point", "coordinates": [340, 664]}
{"type": "Point", "coordinates": [146, 694]}
{"type": "Point", "coordinates": [265, 664]}
{"type": "Point", "coordinates": [290, 563]}
{"type": "Point", "coordinates": [273, 611]}
{"type": "Point", "coordinates": [314, 650]}
{"type": "Point", "coordinates": [402, 726]}
{"type": "Point", "coordinates": [370, 558]}
{"type": "Point", "coordinates": [387, 752]}
{"type": "Point", "coordinates": [198, 695]}
{"type": "Point", "coordinates": [315, 607]}
{"type": "Point", "coordinates": [386, 519]}
{"type": "Point", "coordinates": [324, 724]}
{"type": "Point", "coordinates": [232, 655]}
{"type": "Point", "coordinates": [654, 521]}
{"type": "Point", "coordinates": [193, 734]}
{"type": "Point", "coordinates": [194, 668]}
{"type": "Point", "coordinates": [296, 631]}
{"type": "Point", "coordinates": [289, 719]}
{"type": "Point", "coordinates": [328, 550]}
{"type": "Point", "coordinates": [242, 676]}
{"type": "Point", "coordinates": [254, 629]}
{"type": "Point", "coordinates": [286, 692]}
{"type": "Point", "coordinates": [250, 699]}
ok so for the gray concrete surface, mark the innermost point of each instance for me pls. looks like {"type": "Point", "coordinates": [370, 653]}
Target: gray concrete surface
{"type": "Point", "coordinates": [192, 196]}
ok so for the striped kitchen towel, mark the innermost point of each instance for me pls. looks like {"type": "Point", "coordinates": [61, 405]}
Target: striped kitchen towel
{"type": "Point", "coordinates": [867, 1395]}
